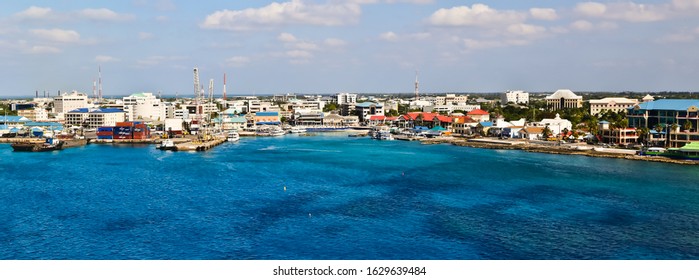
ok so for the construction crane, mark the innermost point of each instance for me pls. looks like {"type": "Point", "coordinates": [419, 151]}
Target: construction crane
{"type": "Point", "coordinates": [211, 90]}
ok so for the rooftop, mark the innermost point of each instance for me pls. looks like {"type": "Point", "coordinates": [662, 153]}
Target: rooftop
{"type": "Point", "coordinates": [563, 93]}
{"type": "Point", "coordinates": [669, 104]}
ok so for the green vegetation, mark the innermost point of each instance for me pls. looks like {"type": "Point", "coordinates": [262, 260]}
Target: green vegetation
{"type": "Point", "coordinates": [330, 107]}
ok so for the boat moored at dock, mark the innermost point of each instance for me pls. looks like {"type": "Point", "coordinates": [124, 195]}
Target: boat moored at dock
{"type": "Point", "coordinates": [51, 144]}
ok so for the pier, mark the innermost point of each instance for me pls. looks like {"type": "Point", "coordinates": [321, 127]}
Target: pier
{"type": "Point", "coordinates": [199, 145]}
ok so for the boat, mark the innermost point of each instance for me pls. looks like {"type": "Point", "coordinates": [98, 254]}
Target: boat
{"type": "Point", "coordinates": [297, 129]}
{"type": "Point", "coordinates": [232, 136]}
{"type": "Point", "coordinates": [51, 144]}
{"type": "Point", "coordinates": [269, 131]}
{"type": "Point", "coordinates": [167, 145]}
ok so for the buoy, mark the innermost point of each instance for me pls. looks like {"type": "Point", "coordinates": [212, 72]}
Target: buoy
{"type": "Point", "coordinates": [309, 215]}
{"type": "Point", "coordinates": [284, 188]}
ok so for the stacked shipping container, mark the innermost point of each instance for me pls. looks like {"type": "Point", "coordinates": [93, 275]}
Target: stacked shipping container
{"type": "Point", "coordinates": [125, 130]}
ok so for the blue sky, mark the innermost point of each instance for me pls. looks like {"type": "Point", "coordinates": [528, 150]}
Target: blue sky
{"type": "Point", "coordinates": [328, 46]}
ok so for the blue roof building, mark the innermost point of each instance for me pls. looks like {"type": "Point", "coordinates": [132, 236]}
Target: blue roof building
{"type": "Point", "coordinates": [684, 113]}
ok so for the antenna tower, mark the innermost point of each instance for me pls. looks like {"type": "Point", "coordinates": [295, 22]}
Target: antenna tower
{"type": "Point", "coordinates": [417, 86]}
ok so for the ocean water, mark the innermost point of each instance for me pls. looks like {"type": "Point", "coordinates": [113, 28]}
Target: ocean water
{"type": "Point", "coordinates": [335, 197]}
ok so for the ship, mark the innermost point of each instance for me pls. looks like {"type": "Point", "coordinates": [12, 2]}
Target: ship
{"type": "Point", "coordinates": [51, 144]}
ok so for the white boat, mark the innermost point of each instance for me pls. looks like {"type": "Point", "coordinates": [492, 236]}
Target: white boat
{"type": "Point", "coordinates": [297, 129]}
{"type": "Point", "coordinates": [232, 136]}
{"type": "Point", "coordinates": [167, 144]}
{"type": "Point", "coordinates": [270, 131]}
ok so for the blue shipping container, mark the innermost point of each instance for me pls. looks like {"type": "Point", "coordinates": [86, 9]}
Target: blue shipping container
{"type": "Point", "coordinates": [105, 128]}
{"type": "Point", "coordinates": [104, 137]}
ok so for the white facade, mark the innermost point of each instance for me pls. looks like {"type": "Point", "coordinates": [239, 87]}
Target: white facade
{"type": "Point", "coordinates": [563, 98]}
{"type": "Point", "coordinates": [514, 96]}
{"type": "Point", "coordinates": [346, 98]}
{"type": "Point", "coordinates": [182, 114]}
{"type": "Point", "coordinates": [94, 118]}
{"type": "Point", "coordinates": [255, 105]}
{"type": "Point", "coordinates": [616, 104]}
{"type": "Point", "coordinates": [143, 105]}
{"type": "Point", "coordinates": [556, 125]}
{"type": "Point", "coordinates": [68, 102]}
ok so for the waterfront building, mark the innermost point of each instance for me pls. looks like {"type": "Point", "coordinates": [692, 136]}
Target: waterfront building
{"type": "Point", "coordinates": [556, 125]}
{"type": "Point", "coordinates": [683, 113]}
{"type": "Point", "coordinates": [367, 109]}
{"type": "Point", "coordinates": [267, 118]}
{"type": "Point", "coordinates": [345, 98]}
{"type": "Point", "coordinates": [351, 120]}
{"type": "Point", "coordinates": [617, 135]}
{"type": "Point", "coordinates": [144, 105]}
{"type": "Point", "coordinates": [13, 121]}
{"type": "Point", "coordinates": [514, 96]}
{"type": "Point", "coordinates": [334, 120]}
{"type": "Point", "coordinates": [92, 118]}
{"type": "Point", "coordinates": [479, 115]}
{"type": "Point", "coordinates": [35, 114]}
{"type": "Point", "coordinates": [463, 125]}
{"type": "Point", "coordinates": [315, 103]}
{"type": "Point", "coordinates": [67, 102]}
{"type": "Point", "coordinates": [562, 99]}
{"type": "Point", "coordinates": [381, 120]}
{"type": "Point", "coordinates": [175, 126]}
{"type": "Point", "coordinates": [229, 123]}
{"type": "Point", "coordinates": [308, 117]}
{"type": "Point", "coordinates": [531, 132]}
{"type": "Point", "coordinates": [615, 104]}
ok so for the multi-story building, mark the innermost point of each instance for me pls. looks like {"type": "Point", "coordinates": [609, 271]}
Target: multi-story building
{"type": "Point", "coordinates": [267, 118]}
{"type": "Point", "coordinates": [668, 113]}
{"type": "Point", "coordinates": [618, 136]}
{"type": "Point", "coordinates": [615, 104]}
{"type": "Point", "coordinates": [94, 118]}
{"type": "Point", "coordinates": [256, 105]}
{"type": "Point", "coordinates": [514, 96]}
{"type": "Point", "coordinates": [68, 102]}
{"type": "Point", "coordinates": [562, 99]}
{"type": "Point", "coordinates": [35, 114]}
{"type": "Point", "coordinates": [367, 109]}
{"type": "Point", "coordinates": [143, 105]}
{"type": "Point", "coordinates": [346, 98]}
{"type": "Point", "coordinates": [556, 125]}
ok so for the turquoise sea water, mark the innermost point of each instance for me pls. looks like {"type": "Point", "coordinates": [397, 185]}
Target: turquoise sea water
{"type": "Point", "coordinates": [345, 198]}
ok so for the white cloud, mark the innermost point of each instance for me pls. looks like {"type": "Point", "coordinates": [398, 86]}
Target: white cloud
{"type": "Point", "coordinates": [389, 36]}
{"type": "Point", "coordinates": [238, 61]}
{"type": "Point", "coordinates": [686, 4]}
{"type": "Point", "coordinates": [472, 44]}
{"type": "Point", "coordinates": [277, 14]}
{"type": "Point", "coordinates": [57, 35]}
{"type": "Point", "coordinates": [103, 14]}
{"type": "Point", "coordinates": [476, 15]}
{"type": "Point", "coordinates": [543, 13]}
{"type": "Point", "coordinates": [105, 58]}
{"type": "Point", "coordinates": [626, 11]}
{"type": "Point", "coordinates": [334, 42]}
{"type": "Point", "coordinates": [522, 29]}
{"type": "Point", "coordinates": [299, 54]}
{"type": "Point", "coordinates": [286, 37]}
{"type": "Point", "coordinates": [582, 25]}
{"type": "Point", "coordinates": [145, 35]}
{"type": "Point", "coordinates": [34, 12]}
{"type": "Point", "coordinates": [41, 50]}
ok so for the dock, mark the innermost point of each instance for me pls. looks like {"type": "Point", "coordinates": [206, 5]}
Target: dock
{"type": "Point", "coordinates": [199, 145]}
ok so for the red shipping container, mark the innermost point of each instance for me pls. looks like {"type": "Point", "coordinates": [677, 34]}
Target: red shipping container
{"type": "Point", "coordinates": [124, 124]}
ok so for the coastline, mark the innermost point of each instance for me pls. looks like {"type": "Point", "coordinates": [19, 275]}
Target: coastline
{"type": "Point", "coordinates": [547, 149]}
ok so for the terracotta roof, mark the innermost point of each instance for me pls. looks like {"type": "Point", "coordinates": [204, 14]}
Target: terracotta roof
{"type": "Point", "coordinates": [478, 112]}
{"type": "Point", "coordinates": [391, 118]}
{"type": "Point", "coordinates": [425, 116]}
{"type": "Point", "coordinates": [377, 118]}
{"type": "Point", "coordinates": [444, 119]}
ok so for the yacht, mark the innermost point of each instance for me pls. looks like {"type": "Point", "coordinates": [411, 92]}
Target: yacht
{"type": "Point", "coordinates": [232, 136]}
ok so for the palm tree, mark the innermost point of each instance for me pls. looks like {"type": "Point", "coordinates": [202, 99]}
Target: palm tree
{"type": "Point", "coordinates": [643, 133]}
{"type": "Point", "coordinates": [673, 128]}
{"type": "Point", "coordinates": [546, 132]}
{"type": "Point", "coordinates": [687, 126]}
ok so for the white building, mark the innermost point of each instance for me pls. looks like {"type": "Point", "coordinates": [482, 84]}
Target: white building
{"type": "Point", "coordinates": [514, 96]}
{"type": "Point", "coordinates": [346, 98]}
{"type": "Point", "coordinates": [563, 98]}
{"type": "Point", "coordinates": [255, 105]}
{"type": "Point", "coordinates": [182, 114]}
{"type": "Point", "coordinates": [556, 125]}
{"type": "Point", "coordinates": [143, 105]}
{"type": "Point", "coordinates": [616, 104]}
{"type": "Point", "coordinates": [367, 109]}
{"type": "Point", "coordinates": [68, 102]}
{"type": "Point", "coordinates": [94, 118]}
